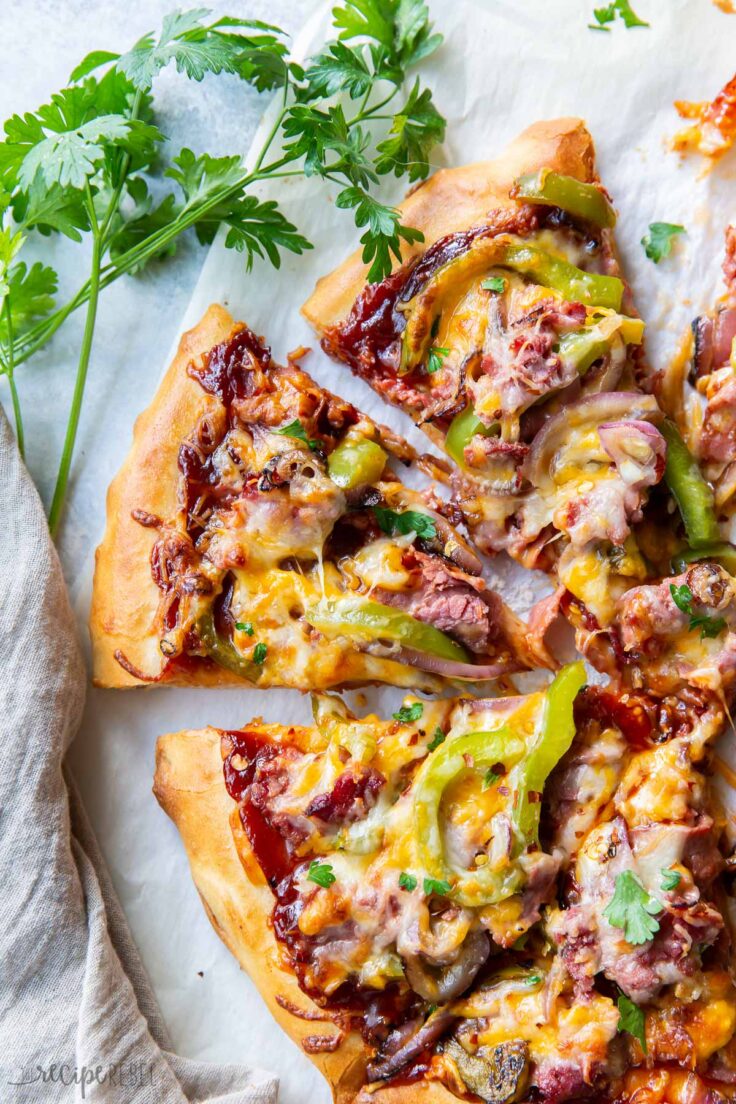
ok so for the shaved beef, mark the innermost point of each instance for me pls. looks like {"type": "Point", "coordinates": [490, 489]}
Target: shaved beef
{"type": "Point", "coordinates": [450, 600]}
{"type": "Point", "coordinates": [352, 797]}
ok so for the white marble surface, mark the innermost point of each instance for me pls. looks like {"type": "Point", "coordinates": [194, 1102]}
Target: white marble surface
{"type": "Point", "coordinates": [505, 63]}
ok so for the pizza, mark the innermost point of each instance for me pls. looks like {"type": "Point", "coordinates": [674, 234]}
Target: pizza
{"type": "Point", "coordinates": [510, 337]}
{"type": "Point", "coordinates": [507, 899]}
{"type": "Point", "coordinates": [259, 534]}
{"type": "Point", "coordinates": [698, 389]}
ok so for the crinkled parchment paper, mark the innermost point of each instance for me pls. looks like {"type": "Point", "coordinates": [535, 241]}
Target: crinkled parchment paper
{"type": "Point", "coordinates": [503, 65]}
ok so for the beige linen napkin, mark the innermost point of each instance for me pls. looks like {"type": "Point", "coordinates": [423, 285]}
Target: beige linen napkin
{"type": "Point", "coordinates": [78, 1019]}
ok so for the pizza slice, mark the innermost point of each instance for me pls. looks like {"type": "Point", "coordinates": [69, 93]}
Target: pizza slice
{"type": "Point", "coordinates": [510, 337]}
{"type": "Point", "coordinates": [510, 899]}
{"type": "Point", "coordinates": [258, 533]}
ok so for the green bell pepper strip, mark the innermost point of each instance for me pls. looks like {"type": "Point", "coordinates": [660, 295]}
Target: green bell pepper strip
{"type": "Point", "coordinates": [355, 462]}
{"type": "Point", "coordinates": [569, 194]}
{"type": "Point", "coordinates": [582, 348]}
{"type": "Point", "coordinates": [361, 617]}
{"type": "Point", "coordinates": [223, 651]}
{"type": "Point", "coordinates": [478, 887]}
{"type": "Point", "coordinates": [721, 553]}
{"type": "Point", "coordinates": [571, 282]}
{"type": "Point", "coordinates": [527, 772]}
{"type": "Point", "coordinates": [690, 490]}
{"type": "Point", "coordinates": [540, 266]}
{"type": "Point", "coordinates": [463, 427]}
{"type": "Point", "coordinates": [556, 734]}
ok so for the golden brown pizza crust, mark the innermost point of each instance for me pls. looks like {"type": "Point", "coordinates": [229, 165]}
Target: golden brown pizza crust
{"type": "Point", "coordinates": [454, 199]}
{"type": "Point", "coordinates": [125, 597]}
{"type": "Point", "coordinates": [189, 786]}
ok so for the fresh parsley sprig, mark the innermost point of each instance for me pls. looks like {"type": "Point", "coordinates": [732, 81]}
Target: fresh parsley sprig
{"type": "Point", "coordinates": [710, 627]}
{"type": "Point", "coordinates": [404, 522]}
{"type": "Point", "coordinates": [83, 164]}
{"type": "Point", "coordinates": [633, 909]}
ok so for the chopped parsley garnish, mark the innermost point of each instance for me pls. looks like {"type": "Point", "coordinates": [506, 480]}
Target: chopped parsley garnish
{"type": "Point", "coordinates": [658, 242]}
{"type": "Point", "coordinates": [434, 361]}
{"type": "Point", "coordinates": [533, 979]}
{"type": "Point", "coordinates": [490, 778]}
{"type": "Point", "coordinates": [409, 713]}
{"type": "Point", "coordinates": [409, 521]}
{"type": "Point", "coordinates": [259, 653]}
{"type": "Point", "coordinates": [321, 874]}
{"type": "Point", "coordinates": [632, 909]}
{"type": "Point", "coordinates": [407, 881]}
{"type": "Point", "coordinates": [631, 1019]}
{"type": "Point", "coordinates": [670, 879]}
{"type": "Point", "coordinates": [435, 885]}
{"type": "Point", "coordinates": [682, 596]}
{"type": "Point", "coordinates": [621, 8]}
{"type": "Point", "coordinates": [494, 283]}
{"type": "Point", "coordinates": [296, 429]}
{"type": "Point", "coordinates": [245, 626]}
{"type": "Point", "coordinates": [438, 738]}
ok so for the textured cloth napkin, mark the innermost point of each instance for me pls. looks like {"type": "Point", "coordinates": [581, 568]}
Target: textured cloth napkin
{"type": "Point", "coordinates": [78, 1019]}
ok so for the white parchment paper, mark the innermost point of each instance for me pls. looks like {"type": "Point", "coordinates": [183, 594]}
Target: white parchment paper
{"type": "Point", "coordinates": [504, 64]}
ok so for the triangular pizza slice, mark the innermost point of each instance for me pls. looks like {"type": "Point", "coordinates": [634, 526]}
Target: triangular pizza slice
{"type": "Point", "coordinates": [258, 533]}
{"type": "Point", "coordinates": [506, 899]}
{"type": "Point", "coordinates": [509, 336]}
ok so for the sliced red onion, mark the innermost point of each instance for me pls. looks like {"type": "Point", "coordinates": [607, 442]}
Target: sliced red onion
{"type": "Point", "coordinates": [439, 984]}
{"type": "Point", "coordinates": [592, 410]}
{"type": "Point", "coordinates": [428, 1034]}
{"type": "Point", "coordinates": [454, 669]}
{"type": "Point", "coordinates": [637, 449]}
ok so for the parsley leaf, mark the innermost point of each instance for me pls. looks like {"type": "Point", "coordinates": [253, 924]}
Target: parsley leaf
{"type": "Point", "coordinates": [608, 14]}
{"type": "Point", "coordinates": [709, 627]}
{"type": "Point", "coordinates": [670, 879]}
{"type": "Point", "coordinates": [533, 979]}
{"type": "Point", "coordinates": [195, 47]}
{"type": "Point", "coordinates": [321, 874]}
{"type": "Point", "coordinates": [407, 881]}
{"type": "Point", "coordinates": [435, 885]}
{"type": "Point", "coordinates": [400, 28]}
{"type": "Point", "coordinates": [408, 521]}
{"type": "Point", "coordinates": [415, 129]}
{"type": "Point", "coordinates": [296, 429]}
{"type": "Point", "coordinates": [259, 653]}
{"type": "Point", "coordinates": [434, 361]}
{"type": "Point", "coordinates": [256, 226]}
{"type": "Point", "coordinates": [409, 713]}
{"type": "Point", "coordinates": [30, 294]}
{"type": "Point", "coordinates": [632, 909]}
{"type": "Point", "coordinates": [490, 778]}
{"type": "Point", "coordinates": [382, 240]}
{"type": "Point", "coordinates": [631, 1019]}
{"type": "Point", "coordinates": [494, 283]}
{"type": "Point", "coordinates": [438, 738]}
{"type": "Point", "coordinates": [55, 208]}
{"type": "Point", "coordinates": [339, 69]}
{"type": "Point", "coordinates": [658, 242]}
{"type": "Point", "coordinates": [245, 626]}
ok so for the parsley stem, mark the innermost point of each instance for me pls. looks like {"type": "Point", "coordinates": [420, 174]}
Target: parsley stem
{"type": "Point", "coordinates": [124, 166]}
{"type": "Point", "coordinates": [62, 478]}
{"type": "Point", "coordinates": [10, 371]}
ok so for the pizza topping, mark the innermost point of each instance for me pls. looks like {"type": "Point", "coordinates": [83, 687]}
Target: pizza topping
{"type": "Point", "coordinates": [692, 493]}
{"type": "Point", "coordinates": [585, 201]}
